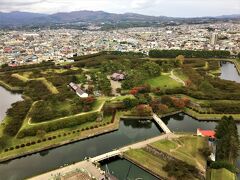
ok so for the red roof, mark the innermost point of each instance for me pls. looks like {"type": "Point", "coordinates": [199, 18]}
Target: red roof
{"type": "Point", "coordinates": [208, 133]}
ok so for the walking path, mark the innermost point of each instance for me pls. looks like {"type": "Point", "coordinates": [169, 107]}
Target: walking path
{"type": "Point", "coordinates": [174, 77]}
{"type": "Point", "coordinates": [161, 123]}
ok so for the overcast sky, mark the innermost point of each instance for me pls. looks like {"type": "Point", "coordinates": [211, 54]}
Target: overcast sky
{"type": "Point", "coordinates": [176, 8]}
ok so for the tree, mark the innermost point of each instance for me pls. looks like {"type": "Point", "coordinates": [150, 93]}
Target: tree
{"type": "Point", "coordinates": [178, 102]}
{"type": "Point", "coordinates": [143, 110]}
{"type": "Point", "coordinates": [163, 108]}
{"type": "Point", "coordinates": [152, 69]}
{"type": "Point", "coordinates": [180, 58]}
{"type": "Point", "coordinates": [238, 55]}
{"type": "Point", "coordinates": [133, 79]}
{"type": "Point", "coordinates": [166, 100]}
{"type": "Point", "coordinates": [130, 102]}
{"type": "Point", "coordinates": [227, 140]}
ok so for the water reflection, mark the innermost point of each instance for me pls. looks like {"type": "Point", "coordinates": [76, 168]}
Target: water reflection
{"type": "Point", "coordinates": [229, 72]}
{"type": "Point", "coordinates": [125, 170]}
{"type": "Point", "coordinates": [6, 99]}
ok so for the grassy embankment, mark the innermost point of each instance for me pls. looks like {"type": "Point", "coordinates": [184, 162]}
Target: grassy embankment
{"type": "Point", "coordinates": [220, 174]}
{"type": "Point", "coordinates": [184, 148]}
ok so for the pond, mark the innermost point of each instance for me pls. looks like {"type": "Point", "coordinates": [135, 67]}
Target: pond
{"type": "Point", "coordinates": [6, 99]}
{"type": "Point", "coordinates": [229, 72]}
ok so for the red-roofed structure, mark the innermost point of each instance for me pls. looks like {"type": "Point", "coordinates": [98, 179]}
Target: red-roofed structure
{"type": "Point", "coordinates": [206, 133]}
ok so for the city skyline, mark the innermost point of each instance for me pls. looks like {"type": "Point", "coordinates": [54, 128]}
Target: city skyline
{"type": "Point", "coordinates": [172, 8]}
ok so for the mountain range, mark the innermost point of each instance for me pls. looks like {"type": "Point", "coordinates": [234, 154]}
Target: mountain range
{"type": "Point", "coordinates": [26, 18]}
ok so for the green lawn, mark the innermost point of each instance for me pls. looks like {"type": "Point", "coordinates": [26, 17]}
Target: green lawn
{"type": "Point", "coordinates": [163, 81]}
{"type": "Point", "coordinates": [147, 160]}
{"type": "Point", "coordinates": [20, 77]}
{"type": "Point", "coordinates": [184, 148]}
{"type": "Point", "coordinates": [221, 174]}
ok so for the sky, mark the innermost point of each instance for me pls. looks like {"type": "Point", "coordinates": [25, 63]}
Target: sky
{"type": "Point", "coordinates": [173, 8]}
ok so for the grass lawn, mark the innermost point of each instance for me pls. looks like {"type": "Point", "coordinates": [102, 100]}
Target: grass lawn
{"type": "Point", "coordinates": [20, 77]}
{"type": "Point", "coordinates": [147, 160]}
{"type": "Point", "coordinates": [184, 148]}
{"type": "Point", "coordinates": [163, 81]}
{"type": "Point", "coordinates": [220, 174]}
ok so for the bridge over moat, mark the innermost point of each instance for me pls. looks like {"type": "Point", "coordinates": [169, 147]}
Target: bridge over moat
{"type": "Point", "coordinates": [89, 165]}
{"type": "Point", "coordinates": [161, 123]}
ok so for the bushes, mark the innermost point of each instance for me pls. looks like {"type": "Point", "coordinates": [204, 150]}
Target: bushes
{"type": "Point", "coordinates": [16, 115]}
{"type": "Point", "coordinates": [36, 90]}
{"type": "Point", "coordinates": [61, 124]}
{"type": "Point", "coordinates": [223, 164]}
{"type": "Point", "coordinates": [181, 170]}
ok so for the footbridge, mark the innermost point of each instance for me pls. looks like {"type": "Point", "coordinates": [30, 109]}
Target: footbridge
{"type": "Point", "coordinates": [89, 164]}
{"type": "Point", "coordinates": [161, 123]}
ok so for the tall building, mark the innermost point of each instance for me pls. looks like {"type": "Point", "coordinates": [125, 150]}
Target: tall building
{"type": "Point", "coordinates": [213, 38]}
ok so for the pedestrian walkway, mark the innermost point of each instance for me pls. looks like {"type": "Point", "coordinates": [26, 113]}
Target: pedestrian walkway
{"type": "Point", "coordinates": [161, 123]}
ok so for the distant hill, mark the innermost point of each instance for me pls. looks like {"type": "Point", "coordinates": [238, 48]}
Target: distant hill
{"type": "Point", "coordinates": [25, 18]}
{"type": "Point", "coordinates": [18, 18]}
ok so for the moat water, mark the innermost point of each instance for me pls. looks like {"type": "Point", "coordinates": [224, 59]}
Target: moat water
{"type": "Point", "coordinates": [130, 131]}
{"type": "Point", "coordinates": [229, 72]}
{"type": "Point", "coordinates": [6, 99]}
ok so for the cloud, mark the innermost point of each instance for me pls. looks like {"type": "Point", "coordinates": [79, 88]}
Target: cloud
{"type": "Point", "coordinates": [181, 8]}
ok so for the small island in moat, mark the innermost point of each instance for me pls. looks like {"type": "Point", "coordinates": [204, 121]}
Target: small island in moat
{"type": "Point", "coordinates": [68, 102]}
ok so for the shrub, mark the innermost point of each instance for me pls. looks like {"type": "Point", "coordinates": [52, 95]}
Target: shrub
{"type": "Point", "coordinates": [11, 148]}
{"type": "Point", "coordinates": [223, 164]}
{"type": "Point", "coordinates": [22, 145]}
{"type": "Point", "coordinates": [6, 150]}
{"type": "Point", "coordinates": [44, 139]}
{"type": "Point", "coordinates": [17, 147]}
{"type": "Point", "coordinates": [49, 138]}
{"type": "Point", "coordinates": [39, 141]}
{"type": "Point", "coordinates": [32, 143]}
{"type": "Point", "coordinates": [28, 144]}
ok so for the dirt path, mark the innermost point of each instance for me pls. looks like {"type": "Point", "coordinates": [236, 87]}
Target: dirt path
{"type": "Point", "coordinates": [176, 78]}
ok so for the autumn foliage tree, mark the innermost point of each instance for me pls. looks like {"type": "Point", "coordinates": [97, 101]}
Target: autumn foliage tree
{"type": "Point", "coordinates": [143, 110]}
